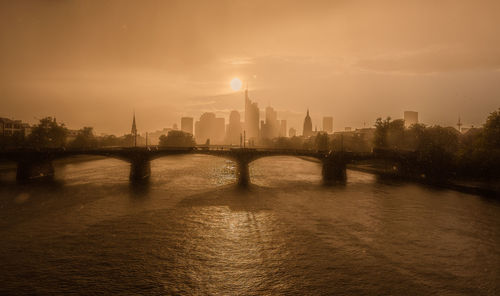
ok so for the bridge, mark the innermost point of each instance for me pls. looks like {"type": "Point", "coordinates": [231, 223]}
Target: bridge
{"type": "Point", "coordinates": [34, 164]}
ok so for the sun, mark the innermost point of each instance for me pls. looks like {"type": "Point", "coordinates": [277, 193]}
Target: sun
{"type": "Point", "coordinates": [236, 84]}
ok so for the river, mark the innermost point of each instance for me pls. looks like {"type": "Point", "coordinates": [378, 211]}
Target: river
{"type": "Point", "coordinates": [190, 231]}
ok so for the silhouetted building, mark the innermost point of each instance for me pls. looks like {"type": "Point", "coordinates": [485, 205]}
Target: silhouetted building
{"type": "Point", "coordinates": [328, 124]}
{"type": "Point", "coordinates": [9, 127]}
{"type": "Point", "coordinates": [252, 117]}
{"type": "Point", "coordinates": [209, 128]}
{"type": "Point", "coordinates": [307, 130]}
{"type": "Point", "coordinates": [270, 128]}
{"type": "Point", "coordinates": [187, 124]}
{"type": "Point", "coordinates": [234, 130]}
{"type": "Point", "coordinates": [292, 132]}
{"type": "Point", "coordinates": [282, 132]}
{"type": "Point", "coordinates": [410, 117]}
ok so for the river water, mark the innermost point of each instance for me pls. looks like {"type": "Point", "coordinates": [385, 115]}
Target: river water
{"type": "Point", "coordinates": [190, 231]}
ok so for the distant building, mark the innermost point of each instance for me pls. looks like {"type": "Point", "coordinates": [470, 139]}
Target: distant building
{"type": "Point", "coordinates": [282, 132]}
{"type": "Point", "coordinates": [292, 132]}
{"type": "Point", "coordinates": [234, 130]}
{"type": "Point", "coordinates": [270, 128]}
{"type": "Point", "coordinates": [252, 118]}
{"type": "Point", "coordinates": [410, 118]}
{"type": "Point", "coordinates": [209, 128]}
{"type": "Point", "coordinates": [187, 124]}
{"type": "Point", "coordinates": [348, 129]}
{"type": "Point", "coordinates": [359, 140]}
{"type": "Point", "coordinates": [154, 137]}
{"type": "Point", "coordinates": [9, 127]}
{"type": "Point", "coordinates": [307, 130]}
{"type": "Point", "coordinates": [328, 124]}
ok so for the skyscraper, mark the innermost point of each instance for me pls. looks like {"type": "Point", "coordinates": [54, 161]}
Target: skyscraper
{"type": "Point", "coordinates": [210, 128]}
{"type": "Point", "coordinates": [187, 124]}
{"type": "Point", "coordinates": [251, 117]}
{"type": "Point", "coordinates": [328, 124]}
{"type": "Point", "coordinates": [307, 130]}
{"type": "Point", "coordinates": [234, 130]}
{"type": "Point", "coordinates": [282, 132]}
{"type": "Point", "coordinates": [270, 129]}
{"type": "Point", "coordinates": [410, 117]}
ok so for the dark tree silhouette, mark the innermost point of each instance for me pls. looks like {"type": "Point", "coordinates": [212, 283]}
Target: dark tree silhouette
{"type": "Point", "coordinates": [48, 134]}
{"type": "Point", "coordinates": [177, 139]}
{"type": "Point", "coordinates": [85, 139]}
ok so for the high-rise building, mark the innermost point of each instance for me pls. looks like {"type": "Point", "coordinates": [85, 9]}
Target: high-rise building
{"type": "Point", "coordinates": [209, 128]}
{"type": "Point", "coordinates": [328, 124]}
{"type": "Point", "coordinates": [234, 130]}
{"type": "Point", "coordinates": [219, 130]}
{"type": "Point", "coordinates": [307, 130]}
{"type": "Point", "coordinates": [410, 117]}
{"type": "Point", "coordinates": [252, 117]}
{"type": "Point", "coordinates": [282, 132]}
{"type": "Point", "coordinates": [187, 124]}
{"type": "Point", "coordinates": [292, 132]}
{"type": "Point", "coordinates": [270, 129]}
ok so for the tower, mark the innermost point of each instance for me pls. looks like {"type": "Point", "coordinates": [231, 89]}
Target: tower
{"type": "Point", "coordinates": [459, 124]}
{"type": "Point", "coordinates": [410, 118]}
{"type": "Point", "coordinates": [252, 117]}
{"type": "Point", "coordinates": [307, 131]}
{"type": "Point", "coordinates": [134, 131]}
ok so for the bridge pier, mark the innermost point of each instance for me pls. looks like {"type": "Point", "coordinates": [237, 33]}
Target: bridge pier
{"type": "Point", "coordinates": [34, 169]}
{"type": "Point", "coordinates": [243, 173]}
{"type": "Point", "coordinates": [334, 170]}
{"type": "Point", "coordinates": [140, 169]}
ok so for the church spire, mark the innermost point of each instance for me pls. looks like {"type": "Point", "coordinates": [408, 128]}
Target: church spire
{"type": "Point", "coordinates": [134, 128]}
{"type": "Point", "coordinates": [134, 131]}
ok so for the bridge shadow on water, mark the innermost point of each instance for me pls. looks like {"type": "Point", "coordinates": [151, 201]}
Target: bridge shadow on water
{"type": "Point", "coordinates": [139, 189]}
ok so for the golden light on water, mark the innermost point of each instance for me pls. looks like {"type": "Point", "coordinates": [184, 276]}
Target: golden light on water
{"type": "Point", "coordinates": [236, 84]}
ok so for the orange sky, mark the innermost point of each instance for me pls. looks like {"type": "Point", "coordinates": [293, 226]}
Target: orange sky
{"type": "Point", "coordinates": [91, 63]}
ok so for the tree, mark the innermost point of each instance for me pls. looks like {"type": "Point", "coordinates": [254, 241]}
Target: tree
{"type": "Point", "coordinates": [395, 133]}
{"type": "Point", "coordinates": [491, 132]}
{"type": "Point", "coordinates": [321, 141]}
{"type": "Point", "coordinates": [381, 129]}
{"type": "Point", "coordinates": [84, 139]}
{"type": "Point", "coordinates": [177, 139]}
{"type": "Point", "coordinates": [48, 134]}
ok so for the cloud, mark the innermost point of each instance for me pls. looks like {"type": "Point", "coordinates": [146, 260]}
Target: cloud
{"type": "Point", "coordinates": [433, 60]}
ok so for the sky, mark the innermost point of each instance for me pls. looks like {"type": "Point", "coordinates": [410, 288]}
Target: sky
{"type": "Point", "coordinates": [93, 63]}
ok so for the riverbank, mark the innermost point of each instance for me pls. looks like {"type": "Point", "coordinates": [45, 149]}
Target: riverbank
{"type": "Point", "coordinates": [480, 187]}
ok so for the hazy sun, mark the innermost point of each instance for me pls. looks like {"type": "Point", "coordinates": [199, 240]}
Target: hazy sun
{"type": "Point", "coordinates": [236, 83]}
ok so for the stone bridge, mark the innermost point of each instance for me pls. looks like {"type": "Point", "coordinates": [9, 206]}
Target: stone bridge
{"type": "Point", "coordinates": [33, 164]}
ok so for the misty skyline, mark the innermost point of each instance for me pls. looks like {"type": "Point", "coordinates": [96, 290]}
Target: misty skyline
{"type": "Point", "coordinates": [93, 63]}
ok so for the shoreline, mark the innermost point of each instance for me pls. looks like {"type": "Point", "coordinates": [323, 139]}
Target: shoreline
{"type": "Point", "coordinates": [477, 187]}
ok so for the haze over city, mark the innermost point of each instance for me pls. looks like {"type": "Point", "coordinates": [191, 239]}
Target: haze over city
{"type": "Point", "coordinates": [94, 63]}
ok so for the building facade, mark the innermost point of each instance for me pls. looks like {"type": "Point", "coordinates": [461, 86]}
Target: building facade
{"type": "Point", "coordinates": [252, 118]}
{"type": "Point", "coordinates": [328, 124]}
{"type": "Point", "coordinates": [410, 118]}
{"type": "Point", "coordinates": [187, 124]}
